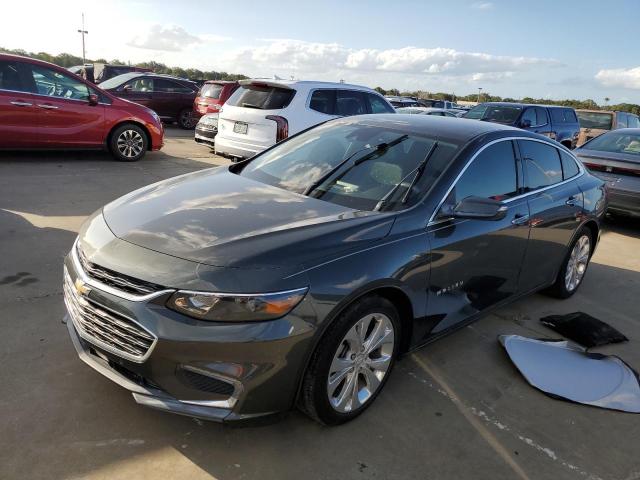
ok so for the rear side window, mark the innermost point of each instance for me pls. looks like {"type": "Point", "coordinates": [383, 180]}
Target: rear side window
{"type": "Point", "coordinates": [541, 164]}
{"type": "Point", "coordinates": [323, 101]}
{"type": "Point", "coordinates": [491, 175]}
{"type": "Point", "coordinates": [350, 102]}
{"type": "Point", "coordinates": [211, 90]}
{"type": "Point", "coordinates": [168, 86]}
{"type": "Point", "coordinates": [10, 77]}
{"type": "Point", "coordinates": [378, 105]}
{"type": "Point", "coordinates": [569, 166]}
{"type": "Point", "coordinates": [262, 97]}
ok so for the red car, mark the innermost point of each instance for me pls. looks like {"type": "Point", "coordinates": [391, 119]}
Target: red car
{"type": "Point", "coordinates": [212, 96]}
{"type": "Point", "coordinates": [43, 106]}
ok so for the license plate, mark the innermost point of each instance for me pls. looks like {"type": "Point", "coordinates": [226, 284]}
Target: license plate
{"type": "Point", "coordinates": [240, 127]}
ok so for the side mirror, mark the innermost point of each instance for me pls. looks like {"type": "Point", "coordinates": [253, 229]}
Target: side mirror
{"type": "Point", "coordinates": [478, 208]}
{"type": "Point", "coordinates": [93, 99]}
{"type": "Point", "coordinates": [525, 123]}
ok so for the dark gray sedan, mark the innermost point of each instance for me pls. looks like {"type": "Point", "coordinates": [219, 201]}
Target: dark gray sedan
{"type": "Point", "coordinates": [297, 277]}
{"type": "Point", "coordinates": [615, 158]}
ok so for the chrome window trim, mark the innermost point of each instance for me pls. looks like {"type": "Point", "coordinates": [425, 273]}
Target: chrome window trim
{"type": "Point", "coordinates": [107, 288]}
{"type": "Point", "coordinates": [51, 97]}
{"type": "Point", "coordinates": [432, 220]}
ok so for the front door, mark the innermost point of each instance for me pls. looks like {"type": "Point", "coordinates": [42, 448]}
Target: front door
{"type": "Point", "coordinates": [67, 119]}
{"type": "Point", "coordinates": [476, 263]}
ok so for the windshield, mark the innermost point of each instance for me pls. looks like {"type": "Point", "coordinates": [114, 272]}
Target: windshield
{"type": "Point", "coordinates": [118, 80]}
{"type": "Point", "coordinates": [506, 114]}
{"type": "Point", "coordinates": [211, 90]}
{"type": "Point", "coordinates": [601, 121]}
{"type": "Point", "coordinates": [615, 142]}
{"type": "Point", "coordinates": [380, 161]}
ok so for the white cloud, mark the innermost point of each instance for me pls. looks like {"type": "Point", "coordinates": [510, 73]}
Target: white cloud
{"type": "Point", "coordinates": [482, 5]}
{"type": "Point", "coordinates": [298, 56]}
{"type": "Point", "coordinates": [171, 38]}
{"type": "Point", "coordinates": [620, 77]}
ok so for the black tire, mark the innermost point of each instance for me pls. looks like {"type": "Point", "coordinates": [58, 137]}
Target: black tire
{"type": "Point", "coordinates": [135, 143]}
{"type": "Point", "coordinates": [314, 395]}
{"type": "Point", "coordinates": [560, 289]}
{"type": "Point", "coordinates": [186, 119]}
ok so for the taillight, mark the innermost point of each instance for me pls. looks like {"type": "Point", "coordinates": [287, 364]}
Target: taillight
{"type": "Point", "coordinates": [282, 126]}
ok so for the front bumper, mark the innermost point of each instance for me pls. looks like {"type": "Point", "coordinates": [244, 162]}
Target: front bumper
{"type": "Point", "coordinates": [206, 136]}
{"type": "Point", "coordinates": [190, 363]}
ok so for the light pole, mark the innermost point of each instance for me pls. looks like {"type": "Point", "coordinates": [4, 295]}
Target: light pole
{"type": "Point", "coordinates": [83, 32]}
{"type": "Point", "coordinates": [479, 93]}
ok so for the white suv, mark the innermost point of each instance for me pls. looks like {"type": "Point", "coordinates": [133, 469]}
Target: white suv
{"type": "Point", "coordinates": [263, 112]}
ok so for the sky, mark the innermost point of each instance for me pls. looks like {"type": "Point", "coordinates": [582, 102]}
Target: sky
{"type": "Point", "coordinates": [543, 48]}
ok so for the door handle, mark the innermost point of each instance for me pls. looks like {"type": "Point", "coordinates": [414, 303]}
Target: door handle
{"type": "Point", "coordinates": [520, 219]}
{"type": "Point", "coordinates": [48, 107]}
{"type": "Point", "coordinates": [21, 104]}
{"type": "Point", "coordinates": [572, 201]}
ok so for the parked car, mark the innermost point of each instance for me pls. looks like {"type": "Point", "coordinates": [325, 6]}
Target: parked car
{"type": "Point", "coordinates": [43, 106]}
{"type": "Point", "coordinates": [615, 158]}
{"type": "Point", "coordinates": [557, 123]}
{"type": "Point", "coordinates": [440, 112]}
{"type": "Point", "coordinates": [170, 97]}
{"type": "Point", "coordinates": [299, 276]}
{"type": "Point", "coordinates": [99, 72]}
{"type": "Point", "coordinates": [212, 96]}
{"type": "Point", "coordinates": [430, 103]}
{"type": "Point", "coordinates": [207, 129]}
{"type": "Point", "coordinates": [597, 122]}
{"type": "Point", "coordinates": [263, 112]}
{"type": "Point", "coordinates": [402, 102]}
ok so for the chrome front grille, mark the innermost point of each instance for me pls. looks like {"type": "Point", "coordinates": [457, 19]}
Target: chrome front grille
{"type": "Point", "coordinates": [114, 279]}
{"type": "Point", "coordinates": [104, 328]}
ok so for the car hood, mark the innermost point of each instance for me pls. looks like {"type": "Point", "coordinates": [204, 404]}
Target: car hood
{"type": "Point", "coordinates": [613, 156]}
{"type": "Point", "coordinates": [218, 218]}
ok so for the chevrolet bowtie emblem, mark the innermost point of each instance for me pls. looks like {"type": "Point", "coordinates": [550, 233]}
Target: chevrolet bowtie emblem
{"type": "Point", "coordinates": [82, 288]}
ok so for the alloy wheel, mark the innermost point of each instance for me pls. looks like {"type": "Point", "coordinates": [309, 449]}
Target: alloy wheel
{"type": "Point", "coordinates": [130, 143]}
{"type": "Point", "coordinates": [187, 119]}
{"type": "Point", "coordinates": [360, 363]}
{"type": "Point", "coordinates": [577, 264]}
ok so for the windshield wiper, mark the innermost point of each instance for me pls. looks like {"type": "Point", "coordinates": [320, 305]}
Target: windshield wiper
{"type": "Point", "coordinates": [418, 171]}
{"type": "Point", "coordinates": [377, 148]}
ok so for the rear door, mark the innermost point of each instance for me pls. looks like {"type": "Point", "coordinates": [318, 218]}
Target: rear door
{"type": "Point", "coordinates": [476, 263]}
{"type": "Point", "coordinates": [66, 117]}
{"type": "Point", "coordinates": [555, 209]}
{"type": "Point", "coordinates": [171, 97]}
{"type": "Point", "coordinates": [19, 113]}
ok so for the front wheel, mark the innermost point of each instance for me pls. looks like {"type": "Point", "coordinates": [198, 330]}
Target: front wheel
{"type": "Point", "coordinates": [186, 119]}
{"type": "Point", "coordinates": [128, 143]}
{"type": "Point", "coordinates": [352, 362]}
{"type": "Point", "coordinates": [575, 265]}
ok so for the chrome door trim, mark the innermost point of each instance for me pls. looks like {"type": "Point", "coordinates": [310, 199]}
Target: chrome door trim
{"type": "Point", "coordinates": [509, 200]}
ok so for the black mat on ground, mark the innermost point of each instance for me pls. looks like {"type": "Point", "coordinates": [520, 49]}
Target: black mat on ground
{"type": "Point", "coordinates": [583, 329]}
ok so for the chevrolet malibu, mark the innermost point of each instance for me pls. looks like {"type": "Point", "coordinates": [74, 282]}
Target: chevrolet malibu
{"type": "Point", "coordinates": [297, 277]}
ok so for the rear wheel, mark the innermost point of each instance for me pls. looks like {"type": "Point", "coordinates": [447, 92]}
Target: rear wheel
{"type": "Point", "coordinates": [575, 265]}
{"type": "Point", "coordinates": [352, 362]}
{"type": "Point", "coordinates": [128, 143]}
{"type": "Point", "coordinates": [186, 119]}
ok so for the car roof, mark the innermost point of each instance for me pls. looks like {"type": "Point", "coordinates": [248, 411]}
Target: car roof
{"type": "Point", "coordinates": [303, 83]}
{"type": "Point", "coordinates": [517, 104]}
{"type": "Point", "coordinates": [460, 130]}
{"type": "Point", "coordinates": [130, 75]}
{"type": "Point", "coordinates": [220, 82]}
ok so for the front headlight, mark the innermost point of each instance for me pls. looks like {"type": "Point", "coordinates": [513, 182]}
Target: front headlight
{"type": "Point", "coordinates": [235, 307]}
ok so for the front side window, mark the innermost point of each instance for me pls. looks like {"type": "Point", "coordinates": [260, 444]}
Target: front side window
{"type": "Point", "coordinates": [569, 165]}
{"type": "Point", "coordinates": [622, 120]}
{"type": "Point", "coordinates": [323, 101]}
{"type": "Point", "coordinates": [529, 117]}
{"type": "Point", "coordinates": [633, 121]}
{"type": "Point", "coordinates": [541, 116]}
{"type": "Point", "coordinates": [10, 77]}
{"type": "Point", "coordinates": [313, 164]}
{"type": "Point", "coordinates": [378, 105]}
{"type": "Point", "coordinates": [541, 164]}
{"type": "Point", "coordinates": [350, 102]}
{"type": "Point", "coordinates": [55, 84]}
{"type": "Point", "coordinates": [140, 85]}
{"type": "Point", "coordinates": [492, 174]}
